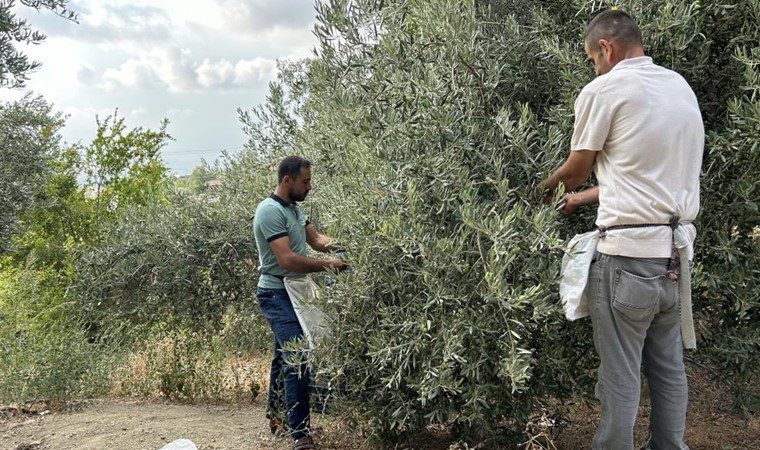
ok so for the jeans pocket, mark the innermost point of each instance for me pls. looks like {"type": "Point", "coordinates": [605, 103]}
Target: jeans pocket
{"type": "Point", "coordinates": [635, 297]}
{"type": "Point", "coordinates": [266, 298]}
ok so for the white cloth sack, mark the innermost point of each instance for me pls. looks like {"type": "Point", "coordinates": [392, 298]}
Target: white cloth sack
{"type": "Point", "coordinates": [180, 444]}
{"type": "Point", "coordinates": [302, 292]}
{"type": "Point", "coordinates": [574, 274]}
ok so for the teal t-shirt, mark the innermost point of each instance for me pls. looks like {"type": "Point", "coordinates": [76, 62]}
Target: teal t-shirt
{"type": "Point", "coordinates": [274, 218]}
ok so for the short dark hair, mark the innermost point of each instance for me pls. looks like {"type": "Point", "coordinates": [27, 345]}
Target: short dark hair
{"type": "Point", "coordinates": [291, 166]}
{"type": "Point", "coordinates": [612, 25]}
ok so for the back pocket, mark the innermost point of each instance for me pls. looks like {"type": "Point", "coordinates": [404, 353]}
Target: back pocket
{"type": "Point", "coordinates": [635, 297]}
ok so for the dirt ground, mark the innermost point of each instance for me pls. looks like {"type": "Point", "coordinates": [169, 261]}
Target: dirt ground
{"type": "Point", "coordinates": [129, 424]}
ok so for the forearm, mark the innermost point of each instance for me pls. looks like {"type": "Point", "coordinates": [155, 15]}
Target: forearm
{"type": "Point", "coordinates": [574, 200]}
{"type": "Point", "coordinates": [326, 244]}
{"type": "Point", "coordinates": [585, 197]}
{"type": "Point", "coordinates": [302, 264]}
{"type": "Point", "coordinates": [573, 173]}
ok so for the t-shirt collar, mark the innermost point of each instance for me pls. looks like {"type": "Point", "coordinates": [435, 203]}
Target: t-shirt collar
{"type": "Point", "coordinates": [280, 200]}
{"type": "Point", "coordinates": [633, 62]}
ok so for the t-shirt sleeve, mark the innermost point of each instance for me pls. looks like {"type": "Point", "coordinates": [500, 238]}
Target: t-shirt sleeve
{"type": "Point", "coordinates": [271, 224]}
{"type": "Point", "coordinates": [592, 122]}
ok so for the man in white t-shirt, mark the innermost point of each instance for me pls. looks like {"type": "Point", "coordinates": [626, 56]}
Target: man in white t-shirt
{"type": "Point", "coordinates": [638, 126]}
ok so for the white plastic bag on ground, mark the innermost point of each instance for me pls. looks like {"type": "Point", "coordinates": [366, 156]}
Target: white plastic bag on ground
{"type": "Point", "coordinates": [574, 274]}
{"type": "Point", "coordinates": [302, 292]}
{"type": "Point", "coordinates": [179, 444]}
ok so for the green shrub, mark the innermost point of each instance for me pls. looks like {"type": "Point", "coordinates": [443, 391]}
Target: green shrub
{"type": "Point", "coordinates": [180, 262]}
{"type": "Point", "coordinates": [44, 353]}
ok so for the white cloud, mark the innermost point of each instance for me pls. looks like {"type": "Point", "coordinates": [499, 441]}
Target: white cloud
{"type": "Point", "coordinates": [107, 22]}
{"type": "Point", "coordinates": [177, 70]}
{"type": "Point", "coordinates": [255, 16]}
{"type": "Point", "coordinates": [195, 62]}
{"type": "Point", "coordinates": [242, 74]}
{"type": "Point", "coordinates": [174, 67]}
{"type": "Point", "coordinates": [257, 72]}
{"type": "Point", "coordinates": [212, 74]}
{"type": "Point", "coordinates": [86, 75]}
{"type": "Point", "coordinates": [133, 73]}
{"type": "Point", "coordinates": [140, 111]}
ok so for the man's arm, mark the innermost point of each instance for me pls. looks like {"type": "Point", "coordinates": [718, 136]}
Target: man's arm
{"type": "Point", "coordinates": [320, 242]}
{"type": "Point", "coordinates": [572, 201]}
{"type": "Point", "coordinates": [293, 262]}
{"type": "Point", "coordinates": [573, 173]}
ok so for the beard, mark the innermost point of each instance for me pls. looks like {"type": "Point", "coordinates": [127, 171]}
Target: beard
{"type": "Point", "coordinates": [297, 197]}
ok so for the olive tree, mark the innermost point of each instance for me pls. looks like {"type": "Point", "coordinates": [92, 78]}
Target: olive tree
{"type": "Point", "coordinates": [15, 66]}
{"type": "Point", "coordinates": [28, 137]}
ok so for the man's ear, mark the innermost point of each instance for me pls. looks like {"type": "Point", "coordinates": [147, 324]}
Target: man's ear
{"type": "Point", "coordinates": [605, 47]}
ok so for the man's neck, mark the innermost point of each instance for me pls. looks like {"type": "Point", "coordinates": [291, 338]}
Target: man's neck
{"type": "Point", "coordinates": [633, 52]}
{"type": "Point", "coordinates": [283, 194]}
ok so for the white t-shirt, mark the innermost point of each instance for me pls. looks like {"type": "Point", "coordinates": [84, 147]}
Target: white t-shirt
{"type": "Point", "coordinates": [645, 123]}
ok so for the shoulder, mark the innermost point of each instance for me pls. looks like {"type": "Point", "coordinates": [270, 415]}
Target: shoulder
{"type": "Point", "coordinates": [593, 95]}
{"type": "Point", "coordinates": [674, 76]}
{"type": "Point", "coordinates": [269, 204]}
{"type": "Point", "coordinates": [599, 86]}
{"type": "Point", "coordinates": [268, 208]}
{"type": "Point", "coordinates": [658, 68]}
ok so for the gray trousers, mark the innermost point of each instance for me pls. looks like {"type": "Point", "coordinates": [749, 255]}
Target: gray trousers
{"type": "Point", "coordinates": [636, 318]}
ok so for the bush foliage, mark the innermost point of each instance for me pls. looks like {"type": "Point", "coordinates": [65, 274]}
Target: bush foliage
{"type": "Point", "coordinates": [181, 261]}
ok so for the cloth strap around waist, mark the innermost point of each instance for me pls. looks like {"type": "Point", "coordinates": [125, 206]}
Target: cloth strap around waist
{"type": "Point", "coordinates": [675, 220]}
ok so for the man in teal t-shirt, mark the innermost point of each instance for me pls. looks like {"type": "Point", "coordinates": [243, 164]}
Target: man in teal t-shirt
{"type": "Point", "coordinates": [282, 231]}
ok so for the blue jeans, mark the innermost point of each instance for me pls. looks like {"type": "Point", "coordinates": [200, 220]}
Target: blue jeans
{"type": "Point", "coordinates": [635, 315]}
{"type": "Point", "coordinates": [278, 311]}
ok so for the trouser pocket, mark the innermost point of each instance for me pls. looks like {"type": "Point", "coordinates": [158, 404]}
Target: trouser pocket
{"type": "Point", "coordinates": [635, 297]}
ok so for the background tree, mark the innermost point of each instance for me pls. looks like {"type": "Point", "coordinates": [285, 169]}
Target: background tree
{"type": "Point", "coordinates": [14, 65]}
{"type": "Point", "coordinates": [196, 181]}
{"type": "Point", "coordinates": [122, 166]}
{"type": "Point", "coordinates": [62, 224]}
{"type": "Point", "coordinates": [182, 262]}
{"type": "Point", "coordinates": [28, 136]}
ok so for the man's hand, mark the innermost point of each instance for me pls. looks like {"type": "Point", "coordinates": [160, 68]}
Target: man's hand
{"type": "Point", "coordinates": [293, 262]}
{"type": "Point", "coordinates": [573, 200]}
{"type": "Point", "coordinates": [567, 206]}
{"type": "Point", "coordinates": [574, 172]}
{"type": "Point", "coordinates": [338, 265]}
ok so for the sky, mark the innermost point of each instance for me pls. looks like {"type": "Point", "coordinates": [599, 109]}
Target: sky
{"type": "Point", "coordinates": [194, 62]}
